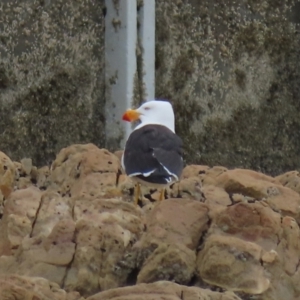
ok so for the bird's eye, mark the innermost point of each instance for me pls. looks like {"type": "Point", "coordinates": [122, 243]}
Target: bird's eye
{"type": "Point", "coordinates": [147, 108]}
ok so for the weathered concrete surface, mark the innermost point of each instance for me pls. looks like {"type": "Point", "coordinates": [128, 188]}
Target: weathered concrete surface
{"type": "Point", "coordinates": [231, 69]}
{"type": "Point", "coordinates": [51, 76]}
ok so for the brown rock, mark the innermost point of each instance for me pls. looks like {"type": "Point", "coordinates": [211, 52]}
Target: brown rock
{"type": "Point", "coordinates": [236, 229]}
{"type": "Point", "coordinates": [42, 177]}
{"type": "Point", "coordinates": [193, 171]}
{"type": "Point", "coordinates": [215, 198]}
{"type": "Point", "coordinates": [285, 201]}
{"type": "Point", "coordinates": [189, 188]}
{"type": "Point", "coordinates": [95, 185]}
{"type": "Point", "coordinates": [80, 160]}
{"type": "Point", "coordinates": [175, 221]}
{"type": "Point", "coordinates": [105, 230]}
{"type": "Point", "coordinates": [7, 175]}
{"type": "Point", "coordinates": [289, 245]}
{"type": "Point", "coordinates": [53, 208]}
{"type": "Point", "coordinates": [23, 183]}
{"type": "Point", "coordinates": [174, 262]}
{"type": "Point", "coordinates": [32, 288]}
{"type": "Point", "coordinates": [251, 222]}
{"type": "Point", "coordinates": [167, 249]}
{"type": "Point", "coordinates": [18, 217]}
{"type": "Point", "coordinates": [26, 165]}
{"type": "Point", "coordinates": [261, 187]}
{"type": "Point", "coordinates": [256, 223]}
{"type": "Point", "coordinates": [211, 174]}
{"type": "Point", "coordinates": [246, 182]}
{"type": "Point", "coordinates": [233, 264]}
{"type": "Point", "coordinates": [291, 180]}
{"type": "Point", "coordinates": [162, 290]}
{"type": "Point", "coordinates": [41, 229]}
{"type": "Point", "coordinates": [41, 256]}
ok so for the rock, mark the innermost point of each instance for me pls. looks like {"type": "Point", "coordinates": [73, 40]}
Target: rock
{"type": "Point", "coordinates": [167, 249]}
{"type": "Point", "coordinates": [284, 201]}
{"type": "Point", "coordinates": [215, 197]}
{"type": "Point", "coordinates": [173, 262]}
{"type": "Point", "coordinates": [39, 232]}
{"type": "Point", "coordinates": [24, 182]}
{"type": "Point", "coordinates": [77, 161]}
{"type": "Point", "coordinates": [26, 165]}
{"type": "Point", "coordinates": [42, 177]}
{"type": "Point", "coordinates": [162, 290]}
{"type": "Point", "coordinates": [18, 218]}
{"type": "Point", "coordinates": [211, 174]}
{"type": "Point", "coordinates": [253, 222]}
{"type": "Point", "coordinates": [246, 182]}
{"type": "Point", "coordinates": [75, 226]}
{"type": "Point", "coordinates": [32, 288]}
{"type": "Point", "coordinates": [175, 221]}
{"type": "Point", "coordinates": [193, 171]}
{"type": "Point", "coordinates": [7, 175]}
{"type": "Point", "coordinates": [232, 264]}
{"type": "Point", "coordinates": [105, 230]}
{"type": "Point", "coordinates": [53, 208]}
{"type": "Point", "coordinates": [291, 180]}
{"type": "Point", "coordinates": [46, 257]}
{"type": "Point", "coordinates": [189, 188]}
{"type": "Point", "coordinates": [95, 185]}
{"type": "Point", "coordinates": [289, 245]}
{"type": "Point", "coordinates": [261, 187]}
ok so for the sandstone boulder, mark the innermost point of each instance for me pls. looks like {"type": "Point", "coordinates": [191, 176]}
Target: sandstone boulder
{"type": "Point", "coordinates": [32, 288]}
{"type": "Point", "coordinates": [162, 290]}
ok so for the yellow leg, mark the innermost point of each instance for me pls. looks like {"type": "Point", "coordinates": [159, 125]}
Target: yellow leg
{"type": "Point", "coordinates": [137, 191]}
{"type": "Point", "coordinates": [162, 195]}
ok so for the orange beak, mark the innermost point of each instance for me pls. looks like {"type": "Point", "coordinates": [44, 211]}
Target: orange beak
{"type": "Point", "coordinates": [131, 115]}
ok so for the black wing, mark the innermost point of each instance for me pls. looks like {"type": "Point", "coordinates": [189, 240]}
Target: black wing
{"type": "Point", "coordinates": [153, 153]}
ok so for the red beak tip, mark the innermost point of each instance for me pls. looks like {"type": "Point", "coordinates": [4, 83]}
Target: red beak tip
{"type": "Point", "coordinates": [125, 118]}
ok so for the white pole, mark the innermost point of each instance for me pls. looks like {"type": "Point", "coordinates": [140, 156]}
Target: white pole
{"type": "Point", "coordinates": [147, 37]}
{"type": "Point", "coordinates": [120, 68]}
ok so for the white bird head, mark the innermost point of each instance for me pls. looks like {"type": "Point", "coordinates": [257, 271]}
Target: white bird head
{"type": "Point", "coordinates": [152, 112]}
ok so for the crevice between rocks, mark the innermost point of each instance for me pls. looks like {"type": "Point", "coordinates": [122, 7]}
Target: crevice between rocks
{"type": "Point", "coordinates": [36, 216]}
{"type": "Point", "coordinates": [132, 277]}
{"type": "Point", "coordinates": [203, 236]}
{"type": "Point", "coordinates": [69, 265]}
{"type": "Point", "coordinates": [297, 266]}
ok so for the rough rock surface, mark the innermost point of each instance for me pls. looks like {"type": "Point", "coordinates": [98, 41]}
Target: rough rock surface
{"type": "Point", "coordinates": [70, 231]}
{"type": "Point", "coordinates": [162, 290]}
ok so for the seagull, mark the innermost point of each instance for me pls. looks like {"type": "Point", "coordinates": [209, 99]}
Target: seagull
{"type": "Point", "coordinates": [153, 152]}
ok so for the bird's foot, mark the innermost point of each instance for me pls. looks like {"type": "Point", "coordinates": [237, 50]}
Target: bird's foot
{"type": "Point", "coordinates": [162, 195]}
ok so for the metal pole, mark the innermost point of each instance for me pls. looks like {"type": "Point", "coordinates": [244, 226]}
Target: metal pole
{"type": "Point", "coordinates": [147, 37]}
{"type": "Point", "coordinates": [120, 67]}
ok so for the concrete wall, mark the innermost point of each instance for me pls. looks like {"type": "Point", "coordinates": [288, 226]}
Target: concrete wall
{"type": "Point", "coordinates": [51, 76]}
{"type": "Point", "coordinates": [231, 71]}
{"type": "Point", "coordinates": [233, 74]}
